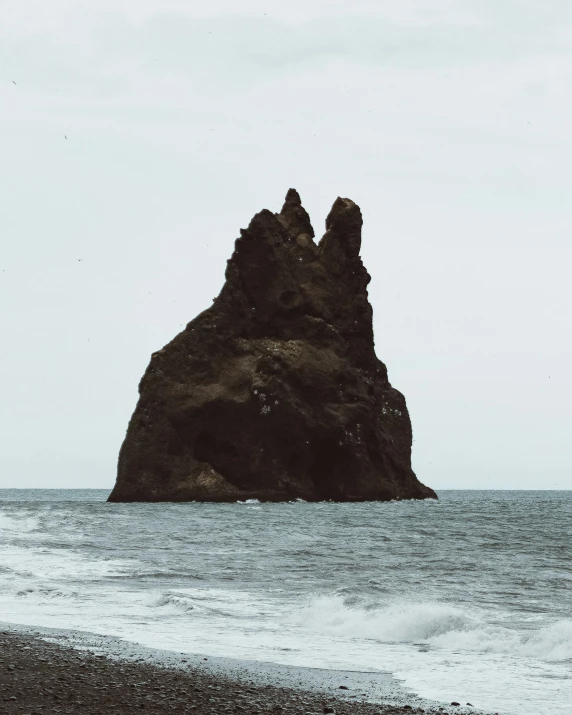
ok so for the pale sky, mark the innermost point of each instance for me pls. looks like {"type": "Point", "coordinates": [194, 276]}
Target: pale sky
{"type": "Point", "coordinates": [448, 122]}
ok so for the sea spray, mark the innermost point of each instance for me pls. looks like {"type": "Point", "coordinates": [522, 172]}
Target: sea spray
{"type": "Point", "coordinates": [437, 624]}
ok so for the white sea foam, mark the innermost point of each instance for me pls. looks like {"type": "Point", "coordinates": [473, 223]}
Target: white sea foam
{"type": "Point", "coordinates": [396, 623]}
{"type": "Point", "coordinates": [20, 525]}
{"type": "Point", "coordinates": [53, 564]}
{"type": "Point", "coordinates": [437, 624]}
{"type": "Point", "coordinates": [549, 643]}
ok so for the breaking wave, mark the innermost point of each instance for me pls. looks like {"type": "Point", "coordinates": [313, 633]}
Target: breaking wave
{"type": "Point", "coordinates": [206, 604]}
{"type": "Point", "coordinates": [46, 592]}
{"type": "Point", "coordinates": [19, 525]}
{"type": "Point", "coordinates": [177, 601]}
{"type": "Point", "coordinates": [437, 624]}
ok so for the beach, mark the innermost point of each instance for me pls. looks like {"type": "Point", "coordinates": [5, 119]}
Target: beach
{"type": "Point", "coordinates": [39, 676]}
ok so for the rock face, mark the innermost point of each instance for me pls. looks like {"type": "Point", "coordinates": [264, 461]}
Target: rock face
{"type": "Point", "coordinates": [275, 391]}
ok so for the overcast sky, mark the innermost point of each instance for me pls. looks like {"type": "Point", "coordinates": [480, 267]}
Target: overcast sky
{"type": "Point", "coordinates": [448, 122]}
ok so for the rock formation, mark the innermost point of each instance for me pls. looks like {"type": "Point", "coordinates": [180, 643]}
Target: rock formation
{"type": "Point", "coordinates": [275, 391]}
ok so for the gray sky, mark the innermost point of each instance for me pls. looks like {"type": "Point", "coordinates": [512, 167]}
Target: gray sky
{"type": "Point", "coordinates": [448, 122]}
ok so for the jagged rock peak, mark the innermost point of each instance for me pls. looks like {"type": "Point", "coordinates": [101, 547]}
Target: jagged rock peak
{"type": "Point", "coordinates": [275, 392]}
{"type": "Point", "coordinates": [292, 198]}
{"type": "Point", "coordinates": [295, 216]}
{"type": "Point", "coordinates": [343, 229]}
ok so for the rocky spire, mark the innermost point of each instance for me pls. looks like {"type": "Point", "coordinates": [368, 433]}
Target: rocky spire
{"type": "Point", "coordinates": [275, 391]}
{"type": "Point", "coordinates": [342, 240]}
{"type": "Point", "coordinates": [295, 215]}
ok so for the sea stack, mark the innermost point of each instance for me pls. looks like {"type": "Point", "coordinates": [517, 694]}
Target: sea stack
{"type": "Point", "coordinates": [275, 392]}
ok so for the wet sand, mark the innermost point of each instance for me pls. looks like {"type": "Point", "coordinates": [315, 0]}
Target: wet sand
{"type": "Point", "coordinates": [51, 677]}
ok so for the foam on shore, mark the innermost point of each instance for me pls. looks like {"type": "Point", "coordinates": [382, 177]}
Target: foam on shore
{"type": "Point", "coordinates": [357, 686]}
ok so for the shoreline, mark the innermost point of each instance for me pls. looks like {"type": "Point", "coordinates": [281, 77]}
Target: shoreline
{"type": "Point", "coordinates": [50, 670]}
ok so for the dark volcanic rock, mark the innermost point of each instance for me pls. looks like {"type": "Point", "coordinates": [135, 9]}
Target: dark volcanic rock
{"type": "Point", "coordinates": [275, 391]}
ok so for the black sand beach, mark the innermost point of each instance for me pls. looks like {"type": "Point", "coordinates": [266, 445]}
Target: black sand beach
{"type": "Point", "coordinates": [42, 677]}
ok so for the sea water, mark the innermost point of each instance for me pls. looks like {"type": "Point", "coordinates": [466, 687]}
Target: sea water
{"type": "Point", "coordinates": [467, 598]}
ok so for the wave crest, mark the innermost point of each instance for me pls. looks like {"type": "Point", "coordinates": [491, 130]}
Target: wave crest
{"type": "Point", "coordinates": [437, 624]}
{"type": "Point", "coordinates": [177, 601]}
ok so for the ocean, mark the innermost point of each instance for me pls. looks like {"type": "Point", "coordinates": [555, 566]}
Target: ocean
{"type": "Point", "coordinates": [465, 598]}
